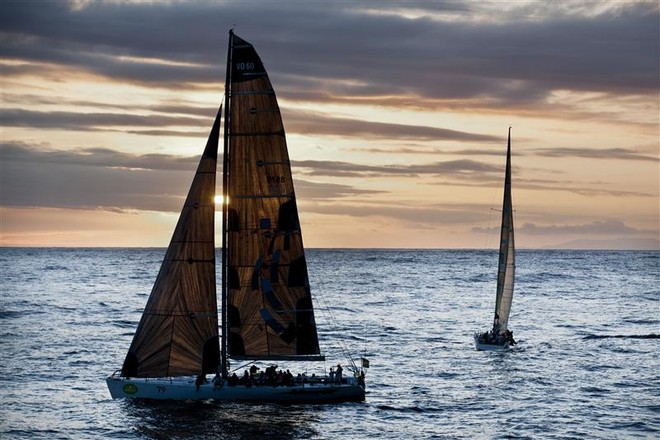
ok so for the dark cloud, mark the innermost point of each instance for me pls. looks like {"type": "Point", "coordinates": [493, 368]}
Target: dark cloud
{"type": "Point", "coordinates": [311, 191]}
{"type": "Point", "coordinates": [587, 189]}
{"type": "Point", "coordinates": [419, 217]}
{"type": "Point", "coordinates": [38, 176]}
{"type": "Point", "coordinates": [299, 122]}
{"type": "Point", "coordinates": [60, 185]}
{"type": "Point", "coordinates": [93, 178]}
{"type": "Point", "coordinates": [447, 50]}
{"type": "Point", "coordinates": [95, 157]}
{"type": "Point", "coordinates": [407, 150]}
{"type": "Point", "coordinates": [92, 121]}
{"type": "Point", "coordinates": [601, 153]}
{"type": "Point", "coordinates": [305, 122]}
{"type": "Point", "coordinates": [345, 169]}
{"type": "Point", "coordinates": [559, 152]}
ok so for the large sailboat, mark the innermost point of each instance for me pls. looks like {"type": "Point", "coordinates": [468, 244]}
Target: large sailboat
{"type": "Point", "coordinates": [267, 312]}
{"type": "Point", "coordinates": [500, 337]}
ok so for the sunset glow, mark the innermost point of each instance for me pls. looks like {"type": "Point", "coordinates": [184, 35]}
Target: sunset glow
{"type": "Point", "coordinates": [396, 119]}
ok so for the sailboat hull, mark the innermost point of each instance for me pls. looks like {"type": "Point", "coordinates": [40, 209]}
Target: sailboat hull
{"type": "Point", "coordinates": [184, 388]}
{"type": "Point", "coordinates": [480, 345]}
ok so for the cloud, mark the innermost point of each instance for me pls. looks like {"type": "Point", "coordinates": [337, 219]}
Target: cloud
{"type": "Point", "coordinates": [89, 178]}
{"type": "Point", "coordinates": [92, 121]}
{"type": "Point", "coordinates": [598, 227]}
{"type": "Point", "coordinates": [37, 175]}
{"type": "Point", "coordinates": [70, 66]}
{"type": "Point", "coordinates": [587, 231]}
{"type": "Point", "coordinates": [516, 60]}
{"type": "Point", "coordinates": [93, 178]}
{"type": "Point", "coordinates": [297, 122]}
{"type": "Point", "coordinates": [345, 169]}
{"type": "Point", "coordinates": [434, 151]}
{"type": "Point", "coordinates": [411, 216]}
{"type": "Point", "coordinates": [600, 153]}
{"type": "Point", "coordinates": [305, 122]}
{"type": "Point", "coordinates": [41, 155]}
{"type": "Point", "coordinates": [313, 191]}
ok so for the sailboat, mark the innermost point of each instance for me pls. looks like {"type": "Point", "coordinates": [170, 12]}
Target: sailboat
{"type": "Point", "coordinates": [267, 313]}
{"type": "Point", "coordinates": [500, 337]}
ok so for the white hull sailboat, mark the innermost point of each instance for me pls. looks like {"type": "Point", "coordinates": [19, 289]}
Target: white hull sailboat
{"type": "Point", "coordinates": [267, 314]}
{"type": "Point", "coordinates": [185, 388]}
{"type": "Point", "coordinates": [500, 337]}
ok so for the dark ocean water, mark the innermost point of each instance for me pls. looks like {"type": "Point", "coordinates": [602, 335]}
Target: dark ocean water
{"type": "Point", "coordinates": [587, 364]}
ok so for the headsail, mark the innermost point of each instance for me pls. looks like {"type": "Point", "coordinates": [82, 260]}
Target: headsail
{"type": "Point", "coordinates": [268, 300]}
{"type": "Point", "coordinates": [506, 267]}
{"type": "Point", "coordinates": [178, 332]}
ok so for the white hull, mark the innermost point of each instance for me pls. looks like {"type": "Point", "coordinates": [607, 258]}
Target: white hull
{"type": "Point", "coordinates": [184, 388]}
{"type": "Point", "coordinates": [483, 346]}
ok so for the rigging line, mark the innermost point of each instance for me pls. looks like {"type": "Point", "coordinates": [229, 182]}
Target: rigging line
{"type": "Point", "coordinates": [342, 345]}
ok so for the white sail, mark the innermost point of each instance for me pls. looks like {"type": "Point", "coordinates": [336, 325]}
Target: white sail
{"type": "Point", "coordinates": [507, 258]}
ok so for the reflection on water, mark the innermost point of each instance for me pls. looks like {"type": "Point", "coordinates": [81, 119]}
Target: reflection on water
{"type": "Point", "coordinates": [227, 420]}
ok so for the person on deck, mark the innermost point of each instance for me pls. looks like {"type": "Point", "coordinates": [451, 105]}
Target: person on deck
{"type": "Point", "coordinates": [199, 381]}
{"type": "Point", "coordinates": [338, 373]}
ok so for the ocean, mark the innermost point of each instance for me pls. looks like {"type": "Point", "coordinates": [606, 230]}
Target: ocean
{"type": "Point", "coordinates": [587, 363]}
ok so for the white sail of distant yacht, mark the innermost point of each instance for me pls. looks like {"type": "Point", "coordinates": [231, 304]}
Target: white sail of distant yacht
{"type": "Point", "coordinates": [500, 336]}
{"type": "Point", "coordinates": [267, 311]}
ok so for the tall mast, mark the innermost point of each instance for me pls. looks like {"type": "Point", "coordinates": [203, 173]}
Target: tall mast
{"type": "Point", "coordinates": [225, 208]}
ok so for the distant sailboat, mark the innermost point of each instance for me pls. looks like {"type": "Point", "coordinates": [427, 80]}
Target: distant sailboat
{"type": "Point", "coordinates": [500, 337]}
{"type": "Point", "coordinates": [267, 311]}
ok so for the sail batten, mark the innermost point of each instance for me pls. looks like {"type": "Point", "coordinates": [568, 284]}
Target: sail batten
{"type": "Point", "coordinates": [253, 93]}
{"type": "Point", "coordinates": [259, 133]}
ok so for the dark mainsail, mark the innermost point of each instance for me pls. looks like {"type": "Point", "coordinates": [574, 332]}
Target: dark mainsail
{"type": "Point", "coordinates": [268, 306]}
{"type": "Point", "coordinates": [507, 264]}
{"type": "Point", "coordinates": [178, 332]}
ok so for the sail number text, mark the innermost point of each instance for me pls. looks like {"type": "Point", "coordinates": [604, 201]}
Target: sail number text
{"type": "Point", "coordinates": [275, 179]}
{"type": "Point", "coordinates": [244, 66]}
{"type": "Point", "coordinates": [275, 184]}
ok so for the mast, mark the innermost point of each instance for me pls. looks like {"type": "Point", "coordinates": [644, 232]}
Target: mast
{"type": "Point", "coordinates": [225, 195]}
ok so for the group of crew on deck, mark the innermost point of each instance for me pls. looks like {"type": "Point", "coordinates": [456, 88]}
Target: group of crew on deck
{"type": "Point", "coordinates": [495, 337]}
{"type": "Point", "coordinates": [274, 377]}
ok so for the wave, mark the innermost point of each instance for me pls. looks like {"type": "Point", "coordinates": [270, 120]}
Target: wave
{"type": "Point", "coordinates": [406, 409]}
{"type": "Point", "coordinates": [649, 336]}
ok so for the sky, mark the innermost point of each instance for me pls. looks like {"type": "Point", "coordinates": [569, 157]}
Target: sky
{"type": "Point", "coordinates": [396, 116]}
